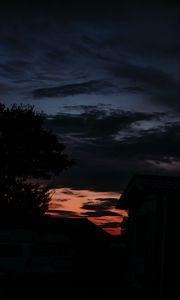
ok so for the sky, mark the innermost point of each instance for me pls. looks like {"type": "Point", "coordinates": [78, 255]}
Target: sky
{"type": "Point", "coordinates": [107, 77]}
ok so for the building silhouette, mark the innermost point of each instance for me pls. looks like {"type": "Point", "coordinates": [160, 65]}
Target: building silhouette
{"type": "Point", "coordinates": [50, 245]}
{"type": "Point", "coordinates": [151, 201]}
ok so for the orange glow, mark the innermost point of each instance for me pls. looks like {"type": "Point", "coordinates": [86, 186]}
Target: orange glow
{"type": "Point", "coordinates": [70, 201]}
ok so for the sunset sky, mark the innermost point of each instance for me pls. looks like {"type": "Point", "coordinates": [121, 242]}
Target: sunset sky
{"type": "Point", "coordinates": [107, 78]}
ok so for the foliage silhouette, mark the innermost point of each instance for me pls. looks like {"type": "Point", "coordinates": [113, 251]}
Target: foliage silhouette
{"type": "Point", "coordinates": [28, 152]}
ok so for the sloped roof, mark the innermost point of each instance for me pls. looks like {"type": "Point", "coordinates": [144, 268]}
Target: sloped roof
{"type": "Point", "coordinates": [80, 229]}
{"type": "Point", "coordinates": [143, 184]}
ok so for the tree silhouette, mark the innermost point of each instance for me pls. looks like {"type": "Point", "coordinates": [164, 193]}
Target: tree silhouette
{"type": "Point", "coordinates": [28, 152]}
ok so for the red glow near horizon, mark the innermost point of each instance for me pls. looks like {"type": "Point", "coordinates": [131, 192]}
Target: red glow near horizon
{"type": "Point", "coordinates": [67, 202]}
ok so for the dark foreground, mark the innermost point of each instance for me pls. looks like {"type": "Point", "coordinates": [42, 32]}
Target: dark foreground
{"type": "Point", "coordinates": [66, 287]}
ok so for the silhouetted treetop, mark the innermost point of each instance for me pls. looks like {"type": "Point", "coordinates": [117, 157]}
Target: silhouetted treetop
{"type": "Point", "coordinates": [27, 150]}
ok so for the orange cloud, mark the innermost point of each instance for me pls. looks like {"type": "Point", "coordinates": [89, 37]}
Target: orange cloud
{"type": "Point", "coordinates": [69, 202]}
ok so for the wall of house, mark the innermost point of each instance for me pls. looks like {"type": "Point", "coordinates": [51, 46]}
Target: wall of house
{"type": "Point", "coordinates": [28, 251]}
{"type": "Point", "coordinates": [148, 239]}
{"type": "Point", "coordinates": [142, 242]}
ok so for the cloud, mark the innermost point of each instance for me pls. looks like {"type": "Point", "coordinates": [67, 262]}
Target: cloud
{"type": "Point", "coordinates": [100, 207]}
{"type": "Point", "coordinates": [111, 225]}
{"type": "Point", "coordinates": [100, 204]}
{"type": "Point", "coordinates": [64, 213]}
{"type": "Point", "coordinates": [170, 164]}
{"type": "Point", "coordinates": [100, 213]}
{"type": "Point", "coordinates": [111, 60]}
{"type": "Point", "coordinates": [50, 57]}
{"type": "Point", "coordinates": [157, 85]}
{"type": "Point", "coordinates": [89, 87]}
{"type": "Point", "coordinates": [145, 76]}
{"type": "Point", "coordinates": [110, 147]}
{"type": "Point", "coordinates": [14, 68]}
{"type": "Point", "coordinates": [15, 43]}
{"type": "Point", "coordinates": [3, 88]}
{"type": "Point", "coordinates": [67, 192]}
{"type": "Point", "coordinates": [96, 122]}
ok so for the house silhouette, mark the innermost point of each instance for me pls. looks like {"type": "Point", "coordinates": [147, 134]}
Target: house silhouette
{"type": "Point", "coordinates": [50, 245]}
{"type": "Point", "coordinates": [151, 202]}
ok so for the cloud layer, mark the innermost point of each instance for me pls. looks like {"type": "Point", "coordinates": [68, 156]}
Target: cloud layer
{"type": "Point", "coordinates": [110, 145]}
{"type": "Point", "coordinates": [107, 78]}
{"type": "Point", "coordinates": [45, 54]}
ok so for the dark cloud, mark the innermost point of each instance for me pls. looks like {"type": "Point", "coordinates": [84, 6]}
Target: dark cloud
{"type": "Point", "coordinates": [100, 213]}
{"type": "Point", "coordinates": [157, 85]}
{"type": "Point", "coordinates": [168, 98]}
{"type": "Point", "coordinates": [111, 225]}
{"type": "Point", "coordinates": [101, 204]}
{"type": "Point", "coordinates": [133, 89]}
{"type": "Point", "coordinates": [64, 213]}
{"type": "Point", "coordinates": [93, 86]}
{"type": "Point", "coordinates": [158, 143]}
{"type": "Point", "coordinates": [122, 55]}
{"type": "Point", "coordinates": [67, 192]}
{"type": "Point", "coordinates": [15, 43]}
{"type": "Point", "coordinates": [96, 123]}
{"type": "Point", "coordinates": [88, 40]}
{"type": "Point", "coordinates": [14, 69]}
{"type": "Point", "coordinates": [3, 88]}
{"type": "Point", "coordinates": [101, 207]}
{"type": "Point", "coordinates": [54, 56]}
{"type": "Point", "coordinates": [108, 149]}
{"type": "Point", "coordinates": [148, 77]}
{"type": "Point", "coordinates": [60, 200]}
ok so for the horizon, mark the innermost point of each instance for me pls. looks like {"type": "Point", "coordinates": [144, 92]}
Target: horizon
{"type": "Point", "coordinates": [98, 207]}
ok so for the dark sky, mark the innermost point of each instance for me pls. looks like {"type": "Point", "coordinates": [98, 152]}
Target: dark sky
{"type": "Point", "coordinates": [106, 75]}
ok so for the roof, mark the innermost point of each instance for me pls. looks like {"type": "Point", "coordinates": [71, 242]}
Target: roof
{"type": "Point", "coordinates": [80, 229]}
{"type": "Point", "coordinates": [143, 184]}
